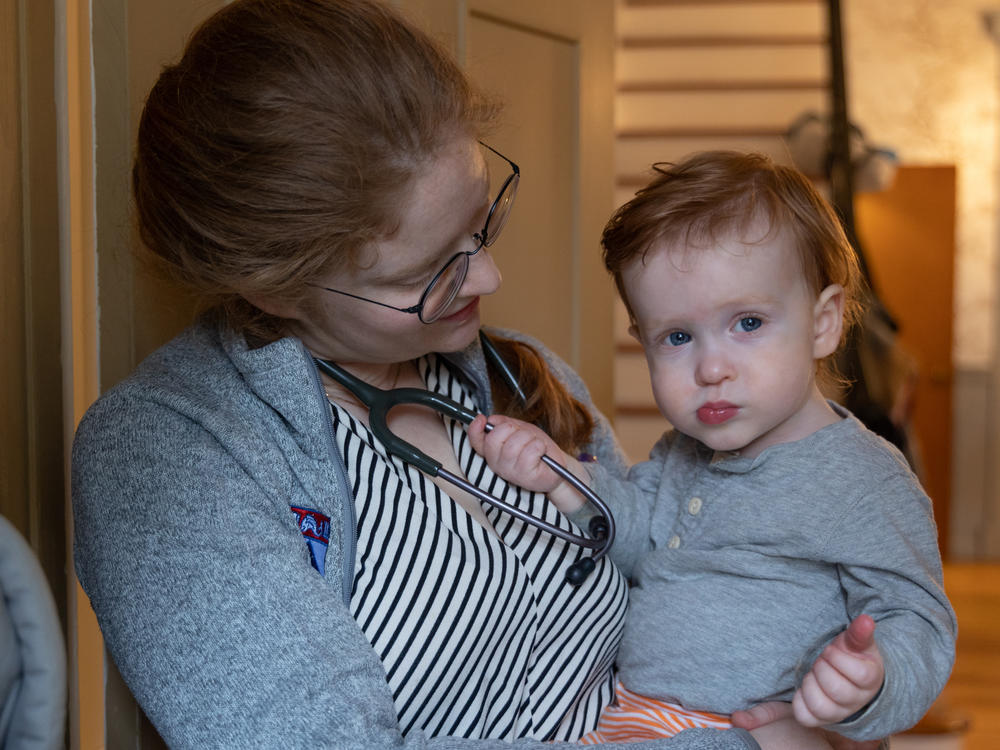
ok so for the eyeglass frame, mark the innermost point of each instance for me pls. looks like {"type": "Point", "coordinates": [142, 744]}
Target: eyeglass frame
{"type": "Point", "coordinates": [482, 237]}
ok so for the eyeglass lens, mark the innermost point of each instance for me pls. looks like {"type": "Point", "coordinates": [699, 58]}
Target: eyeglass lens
{"type": "Point", "coordinates": [500, 210]}
{"type": "Point", "coordinates": [444, 288]}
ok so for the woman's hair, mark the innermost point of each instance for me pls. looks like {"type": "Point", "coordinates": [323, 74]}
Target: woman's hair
{"type": "Point", "coordinates": [715, 195]}
{"type": "Point", "coordinates": [549, 405]}
{"type": "Point", "coordinates": [284, 141]}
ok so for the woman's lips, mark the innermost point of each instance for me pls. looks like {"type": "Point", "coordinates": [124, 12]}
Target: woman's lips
{"type": "Point", "coordinates": [717, 412]}
{"type": "Point", "coordinates": [461, 315]}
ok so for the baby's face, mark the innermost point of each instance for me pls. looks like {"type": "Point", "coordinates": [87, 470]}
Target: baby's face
{"type": "Point", "coordinates": [732, 334]}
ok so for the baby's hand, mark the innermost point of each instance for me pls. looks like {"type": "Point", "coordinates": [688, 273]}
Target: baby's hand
{"type": "Point", "coordinates": [514, 450]}
{"type": "Point", "coordinates": [843, 679]}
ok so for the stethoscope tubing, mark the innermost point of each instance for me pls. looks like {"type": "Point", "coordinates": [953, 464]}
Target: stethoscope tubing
{"type": "Point", "coordinates": [598, 543]}
{"type": "Point", "coordinates": [380, 401]}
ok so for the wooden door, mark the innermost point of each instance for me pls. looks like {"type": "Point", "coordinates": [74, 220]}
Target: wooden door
{"type": "Point", "coordinates": [908, 236]}
{"type": "Point", "coordinates": [553, 64]}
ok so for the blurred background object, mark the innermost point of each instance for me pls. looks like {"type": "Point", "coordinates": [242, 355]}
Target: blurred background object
{"type": "Point", "coordinates": [32, 652]}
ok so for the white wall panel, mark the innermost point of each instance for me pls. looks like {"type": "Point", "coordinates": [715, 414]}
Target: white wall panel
{"type": "Point", "coordinates": [633, 156]}
{"type": "Point", "coordinates": [724, 19]}
{"type": "Point", "coordinates": [709, 64]}
{"type": "Point", "coordinates": [710, 110]}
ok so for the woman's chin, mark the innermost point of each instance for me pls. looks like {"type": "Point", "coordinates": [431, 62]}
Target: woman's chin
{"type": "Point", "coordinates": [460, 328]}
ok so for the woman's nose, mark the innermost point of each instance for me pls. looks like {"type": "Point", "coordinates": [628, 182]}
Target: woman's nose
{"type": "Point", "coordinates": [483, 276]}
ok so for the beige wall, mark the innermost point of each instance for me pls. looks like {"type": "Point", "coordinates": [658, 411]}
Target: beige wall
{"type": "Point", "coordinates": [924, 79]}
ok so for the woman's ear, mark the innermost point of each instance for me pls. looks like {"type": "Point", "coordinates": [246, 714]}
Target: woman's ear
{"type": "Point", "coordinates": [279, 308]}
{"type": "Point", "coordinates": [828, 321]}
{"type": "Point", "coordinates": [634, 332]}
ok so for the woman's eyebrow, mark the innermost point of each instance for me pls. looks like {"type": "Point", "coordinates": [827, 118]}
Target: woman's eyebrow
{"type": "Point", "coordinates": [412, 268]}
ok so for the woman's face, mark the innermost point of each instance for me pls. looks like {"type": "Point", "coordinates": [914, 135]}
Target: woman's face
{"type": "Point", "coordinates": [446, 205]}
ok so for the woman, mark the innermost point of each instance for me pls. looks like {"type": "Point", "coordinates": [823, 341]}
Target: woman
{"type": "Point", "coordinates": [264, 575]}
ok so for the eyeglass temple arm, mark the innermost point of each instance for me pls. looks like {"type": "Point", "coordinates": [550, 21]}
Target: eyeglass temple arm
{"type": "Point", "coordinates": [412, 309]}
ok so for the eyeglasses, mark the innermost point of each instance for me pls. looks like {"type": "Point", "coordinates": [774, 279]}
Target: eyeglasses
{"type": "Point", "coordinates": [443, 288]}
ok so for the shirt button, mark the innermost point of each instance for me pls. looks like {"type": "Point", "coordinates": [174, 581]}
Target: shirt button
{"type": "Point", "coordinates": [694, 506]}
{"type": "Point", "coordinates": [675, 542]}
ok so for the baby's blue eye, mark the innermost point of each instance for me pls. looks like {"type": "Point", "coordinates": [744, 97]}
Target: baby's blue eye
{"type": "Point", "coordinates": [749, 324]}
{"type": "Point", "coordinates": [678, 338]}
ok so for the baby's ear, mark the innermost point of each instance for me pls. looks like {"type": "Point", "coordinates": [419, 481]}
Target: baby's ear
{"type": "Point", "coordinates": [828, 321]}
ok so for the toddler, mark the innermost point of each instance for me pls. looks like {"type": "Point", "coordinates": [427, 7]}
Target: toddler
{"type": "Point", "coordinates": [768, 524]}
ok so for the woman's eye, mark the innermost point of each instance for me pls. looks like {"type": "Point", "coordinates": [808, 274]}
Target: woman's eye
{"type": "Point", "coordinates": [750, 324]}
{"type": "Point", "coordinates": [678, 338]}
{"type": "Point", "coordinates": [421, 280]}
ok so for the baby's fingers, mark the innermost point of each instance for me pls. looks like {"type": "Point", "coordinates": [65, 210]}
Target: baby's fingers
{"type": "Point", "coordinates": [812, 706]}
{"type": "Point", "coordinates": [761, 715]}
{"type": "Point", "coordinates": [523, 451]}
{"type": "Point", "coordinates": [491, 436]}
{"type": "Point", "coordinates": [860, 634]}
{"type": "Point", "coordinates": [863, 670]}
{"type": "Point", "coordinates": [477, 433]}
{"type": "Point", "coordinates": [828, 695]}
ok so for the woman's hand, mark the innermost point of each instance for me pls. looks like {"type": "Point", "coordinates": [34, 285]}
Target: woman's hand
{"type": "Point", "coordinates": [761, 715]}
{"type": "Point", "coordinates": [843, 679]}
{"type": "Point", "coordinates": [764, 714]}
{"type": "Point", "coordinates": [514, 450]}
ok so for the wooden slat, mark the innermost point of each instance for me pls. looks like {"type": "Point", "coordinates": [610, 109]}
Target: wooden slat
{"type": "Point", "coordinates": [745, 112]}
{"type": "Point", "coordinates": [636, 410]}
{"type": "Point", "coordinates": [714, 64]}
{"type": "Point", "coordinates": [653, 3]}
{"type": "Point", "coordinates": [630, 345]}
{"type": "Point", "coordinates": [636, 181]}
{"type": "Point", "coordinates": [757, 40]}
{"type": "Point", "coordinates": [633, 157]}
{"type": "Point", "coordinates": [756, 85]}
{"type": "Point", "coordinates": [721, 132]}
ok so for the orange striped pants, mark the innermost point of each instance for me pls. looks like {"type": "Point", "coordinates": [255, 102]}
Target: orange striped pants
{"type": "Point", "coordinates": [635, 718]}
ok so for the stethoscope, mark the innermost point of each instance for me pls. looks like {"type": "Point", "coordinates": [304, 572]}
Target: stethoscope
{"type": "Point", "coordinates": [379, 401]}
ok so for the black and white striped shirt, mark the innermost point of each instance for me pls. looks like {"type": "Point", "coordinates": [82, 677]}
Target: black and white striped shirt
{"type": "Point", "coordinates": [479, 633]}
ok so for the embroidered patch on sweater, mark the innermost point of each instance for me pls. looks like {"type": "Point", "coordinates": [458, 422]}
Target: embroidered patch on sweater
{"type": "Point", "coordinates": [315, 528]}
